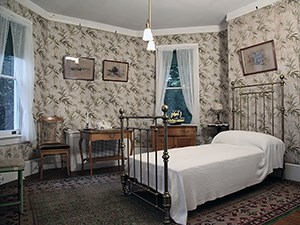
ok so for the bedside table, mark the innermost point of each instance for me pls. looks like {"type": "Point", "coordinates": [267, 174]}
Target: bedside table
{"type": "Point", "coordinates": [216, 128]}
{"type": "Point", "coordinates": [178, 136]}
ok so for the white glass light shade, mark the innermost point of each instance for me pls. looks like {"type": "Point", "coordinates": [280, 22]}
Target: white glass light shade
{"type": "Point", "coordinates": [147, 34]}
{"type": "Point", "coordinates": [151, 46]}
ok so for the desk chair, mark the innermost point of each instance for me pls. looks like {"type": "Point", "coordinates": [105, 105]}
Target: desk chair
{"type": "Point", "coordinates": [51, 141]}
{"type": "Point", "coordinates": [14, 165]}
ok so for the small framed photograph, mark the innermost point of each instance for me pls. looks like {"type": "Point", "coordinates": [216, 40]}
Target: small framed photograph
{"type": "Point", "coordinates": [115, 71]}
{"type": "Point", "coordinates": [259, 58]}
{"type": "Point", "coordinates": [79, 68]}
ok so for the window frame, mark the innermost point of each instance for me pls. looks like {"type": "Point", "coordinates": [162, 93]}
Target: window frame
{"type": "Point", "coordinates": [161, 71]}
{"type": "Point", "coordinates": [14, 136]}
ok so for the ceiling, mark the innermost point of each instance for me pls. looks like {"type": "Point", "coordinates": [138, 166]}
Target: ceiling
{"type": "Point", "coordinates": [132, 14]}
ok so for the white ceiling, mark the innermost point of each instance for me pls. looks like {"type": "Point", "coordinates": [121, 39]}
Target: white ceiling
{"type": "Point", "coordinates": [166, 14]}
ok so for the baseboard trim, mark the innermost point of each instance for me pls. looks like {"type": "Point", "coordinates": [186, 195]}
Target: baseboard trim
{"type": "Point", "coordinates": [31, 167]}
{"type": "Point", "coordinates": [292, 172]}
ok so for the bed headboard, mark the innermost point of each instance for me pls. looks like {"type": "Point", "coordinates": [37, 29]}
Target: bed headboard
{"type": "Point", "coordinates": [259, 107]}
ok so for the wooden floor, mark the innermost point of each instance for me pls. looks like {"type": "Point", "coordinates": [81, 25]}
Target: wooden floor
{"type": "Point", "coordinates": [292, 219]}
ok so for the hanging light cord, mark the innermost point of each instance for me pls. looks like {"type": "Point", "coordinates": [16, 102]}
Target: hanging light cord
{"type": "Point", "coordinates": [149, 12]}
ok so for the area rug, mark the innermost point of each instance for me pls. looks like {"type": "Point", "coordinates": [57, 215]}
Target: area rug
{"type": "Point", "coordinates": [98, 199]}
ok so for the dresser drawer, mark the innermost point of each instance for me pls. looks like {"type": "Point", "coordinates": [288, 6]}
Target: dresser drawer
{"type": "Point", "coordinates": [178, 131]}
{"type": "Point", "coordinates": [182, 131]}
{"type": "Point", "coordinates": [178, 136]}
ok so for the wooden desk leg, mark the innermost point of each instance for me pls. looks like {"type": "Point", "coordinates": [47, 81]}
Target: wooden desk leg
{"type": "Point", "coordinates": [91, 160]}
{"type": "Point", "coordinates": [81, 154]}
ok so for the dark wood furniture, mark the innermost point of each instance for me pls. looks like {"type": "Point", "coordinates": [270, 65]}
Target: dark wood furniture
{"type": "Point", "coordinates": [216, 128]}
{"type": "Point", "coordinates": [97, 135]}
{"type": "Point", "coordinates": [178, 136]}
{"type": "Point", "coordinates": [52, 142]}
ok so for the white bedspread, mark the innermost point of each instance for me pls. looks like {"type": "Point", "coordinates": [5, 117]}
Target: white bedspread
{"type": "Point", "coordinates": [202, 173]}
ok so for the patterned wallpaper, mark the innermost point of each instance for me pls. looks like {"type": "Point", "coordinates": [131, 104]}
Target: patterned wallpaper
{"type": "Point", "coordinates": [103, 99]}
{"type": "Point", "coordinates": [279, 22]}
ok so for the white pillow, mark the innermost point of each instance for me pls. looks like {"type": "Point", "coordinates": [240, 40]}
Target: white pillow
{"type": "Point", "coordinates": [248, 138]}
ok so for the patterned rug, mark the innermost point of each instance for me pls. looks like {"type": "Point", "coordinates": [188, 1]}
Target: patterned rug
{"type": "Point", "coordinates": [98, 199]}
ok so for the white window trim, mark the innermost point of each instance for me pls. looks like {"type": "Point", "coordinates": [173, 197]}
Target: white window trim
{"type": "Point", "coordinates": [160, 82]}
{"type": "Point", "coordinates": [28, 134]}
{"type": "Point", "coordinates": [7, 138]}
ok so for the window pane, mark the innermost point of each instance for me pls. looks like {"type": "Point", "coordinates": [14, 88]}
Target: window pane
{"type": "Point", "coordinates": [8, 62]}
{"type": "Point", "coordinates": [8, 66]}
{"type": "Point", "coordinates": [175, 101]}
{"type": "Point", "coordinates": [174, 97]}
{"type": "Point", "coordinates": [6, 104]}
{"type": "Point", "coordinates": [173, 78]}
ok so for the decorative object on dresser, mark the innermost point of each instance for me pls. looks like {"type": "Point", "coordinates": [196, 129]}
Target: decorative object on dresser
{"type": "Point", "coordinates": [178, 136]}
{"type": "Point", "coordinates": [176, 117]}
{"type": "Point", "coordinates": [115, 71]}
{"type": "Point", "coordinates": [259, 58]}
{"type": "Point", "coordinates": [79, 68]}
{"type": "Point", "coordinates": [218, 108]}
{"type": "Point", "coordinates": [215, 128]}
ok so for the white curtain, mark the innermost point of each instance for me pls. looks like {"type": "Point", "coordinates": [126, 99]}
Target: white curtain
{"type": "Point", "coordinates": [163, 67]}
{"type": "Point", "coordinates": [23, 68]}
{"type": "Point", "coordinates": [187, 60]}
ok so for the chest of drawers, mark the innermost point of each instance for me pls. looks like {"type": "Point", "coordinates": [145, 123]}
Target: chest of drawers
{"type": "Point", "coordinates": [178, 136]}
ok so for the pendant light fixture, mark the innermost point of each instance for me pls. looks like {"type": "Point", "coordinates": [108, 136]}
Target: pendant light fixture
{"type": "Point", "coordinates": [151, 46]}
{"type": "Point", "coordinates": [147, 36]}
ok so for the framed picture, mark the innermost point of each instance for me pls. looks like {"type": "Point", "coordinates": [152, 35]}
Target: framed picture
{"type": "Point", "coordinates": [115, 71]}
{"type": "Point", "coordinates": [76, 68]}
{"type": "Point", "coordinates": [258, 58]}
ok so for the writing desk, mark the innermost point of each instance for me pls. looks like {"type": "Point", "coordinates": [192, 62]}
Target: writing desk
{"type": "Point", "coordinates": [98, 135]}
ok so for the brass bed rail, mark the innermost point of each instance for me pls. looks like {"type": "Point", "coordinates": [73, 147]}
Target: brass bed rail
{"type": "Point", "coordinates": [256, 106]}
{"type": "Point", "coordinates": [130, 181]}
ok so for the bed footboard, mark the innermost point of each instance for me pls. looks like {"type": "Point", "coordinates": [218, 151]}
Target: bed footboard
{"type": "Point", "coordinates": [140, 159]}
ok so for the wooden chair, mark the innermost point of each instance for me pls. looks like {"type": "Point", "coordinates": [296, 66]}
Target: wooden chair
{"type": "Point", "coordinates": [52, 142]}
{"type": "Point", "coordinates": [14, 165]}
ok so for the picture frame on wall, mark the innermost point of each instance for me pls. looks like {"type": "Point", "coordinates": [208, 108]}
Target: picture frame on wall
{"type": "Point", "coordinates": [258, 58]}
{"type": "Point", "coordinates": [115, 71]}
{"type": "Point", "coordinates": [79, 68]}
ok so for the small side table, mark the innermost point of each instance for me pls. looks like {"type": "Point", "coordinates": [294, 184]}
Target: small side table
{"type": "Point", "coordinates": [216, 128]}
{"type": "Point", "coordinates": [97, 135]}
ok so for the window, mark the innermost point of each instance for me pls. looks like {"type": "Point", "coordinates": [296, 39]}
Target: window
{"type": "Point", "coordinates": [177, 80]}
{"type": "Point", "coordinates": [174, 96]}
{"type": "Point", "coordinates": [9, 103]}
{"type": "Point", "coordinates": [16, 78]}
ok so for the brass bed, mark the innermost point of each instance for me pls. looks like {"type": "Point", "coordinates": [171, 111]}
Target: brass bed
{"type": "Point", "coordinates": [147, 170]}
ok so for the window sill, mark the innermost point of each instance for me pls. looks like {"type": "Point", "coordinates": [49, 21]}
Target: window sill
{"type": "Point", "coordinates": [10, 139]}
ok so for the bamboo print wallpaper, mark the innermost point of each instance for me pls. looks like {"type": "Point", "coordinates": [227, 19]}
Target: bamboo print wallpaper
{"type": "Point", "coordinates": [218, 65]}
{"type": "Point", "coordinates": [278, 22]}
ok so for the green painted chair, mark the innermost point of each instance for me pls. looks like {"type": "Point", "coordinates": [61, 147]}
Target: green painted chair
{"type": "Point", "coordinates": [14, 165]}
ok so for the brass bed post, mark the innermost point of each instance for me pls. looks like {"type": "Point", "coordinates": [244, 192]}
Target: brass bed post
{"type": "Point", "coordinates": [282, 106]}
{"type": "Point", "coordinates": [166, 156]}
{"type": "Point", "coordinates": [123, 175]}
{"type": "Point", "coordinates": [232, 106]}
{"type": "Point", "coordinates": [282, 119]}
